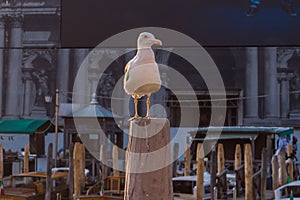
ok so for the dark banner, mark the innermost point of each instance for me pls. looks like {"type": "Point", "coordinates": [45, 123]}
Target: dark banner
{"type": "Point", "coordinates": [86, 23]}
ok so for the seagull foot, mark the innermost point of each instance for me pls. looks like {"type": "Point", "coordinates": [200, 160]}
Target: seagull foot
{"type": "Point", "coordinates": [134, 117]}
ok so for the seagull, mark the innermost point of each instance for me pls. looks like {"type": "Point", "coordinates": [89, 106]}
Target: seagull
{"type": "Point", "coordinates": [141, 72]}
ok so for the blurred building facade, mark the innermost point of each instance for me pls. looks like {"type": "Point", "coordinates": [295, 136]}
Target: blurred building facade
{"type": "Point", "coordinates": [263, 83]}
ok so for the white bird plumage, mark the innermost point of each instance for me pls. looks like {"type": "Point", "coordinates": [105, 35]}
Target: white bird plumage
{"type": "Point", "coordinates": [141, 72]}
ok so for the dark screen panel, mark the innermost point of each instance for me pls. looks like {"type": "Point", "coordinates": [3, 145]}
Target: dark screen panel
{"type": "Point", "coordinates": [85, 23]}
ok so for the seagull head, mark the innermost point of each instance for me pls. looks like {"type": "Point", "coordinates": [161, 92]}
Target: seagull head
{"type": "Point", "coordinates": [146, 40]}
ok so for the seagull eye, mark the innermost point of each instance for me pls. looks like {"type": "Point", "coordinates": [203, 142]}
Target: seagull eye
{"type": "Point", "coordinates": [145, 36]}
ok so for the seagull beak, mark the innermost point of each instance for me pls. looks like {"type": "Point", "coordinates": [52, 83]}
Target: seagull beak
{"type": "Point", "coordinates": [158, 42]}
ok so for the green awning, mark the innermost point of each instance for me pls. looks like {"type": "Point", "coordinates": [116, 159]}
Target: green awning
{"type": "Point", "coordinates": [280, 131]}
{"type": "Point", "coordinates": [26, 126]}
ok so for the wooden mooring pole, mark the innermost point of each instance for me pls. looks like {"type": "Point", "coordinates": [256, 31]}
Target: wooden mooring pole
{"type": "Point", "coordinates": [149, 166]}
{"type": "Point", "coordinates": [263, 177]}
{"type": "Point", "coordinates": [1, 162]}
{"type": "Point", "coordinates": [282, 173]}
{"type": "Point", "coordinates": [115, 156]}
{"type": "Point", "coordinates": [237, 166]}
{"type": "Point", "coordinates": [71, 170]}
{"type": "Point", "coordinates": [49, 173]}
{"type": "Point", "coordinates": [175, 158]}
{"type": "Point", "coordinates": [248, 172]}
{"type": "Point", "coordinates": [187, 166]}
{"type": "Point", "coordinates": [237, 157]}
{"type": "Point", "coordinates": [82, 166]}
{"type": "Point", "coordinates": [213, 171]}
{"type": "Point", "coordinates": [77, 169]}
{"type": "Point", "coordinates": [275, 168]}
{"type": "Point", "coordinates": [26, 159]}
{"type": "Point", "coordinates": [290, 166]}
{"type": "Point", "coordinates": [221, 165]}
{"type": "Point", "coordinates": [200, 171]}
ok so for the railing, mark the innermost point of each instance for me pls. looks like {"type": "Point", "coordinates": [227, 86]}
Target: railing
{"type": "Point", "coordinates": [94, 189]}
{"type": "Point", "coordinates": [239, 180]}
{"type": "Point", "coordinates": [222, 185]}
{"type": "Point", "coordinates": [256, 181]}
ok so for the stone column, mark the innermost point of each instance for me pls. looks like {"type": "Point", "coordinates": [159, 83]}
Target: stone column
{"type": "Point", "coordinates": [284, 76]}
{"type": "Point", "coordinates": [63, 74]}
{"type": "Point", "coordinates": [28, 93]}
{"type": "Point", "coordinates": [14, 83]}
{"type": "Point", "coordinates": [2, 35]}
{"type": "Point", "coordinates": [284, 98]}
{"type": "Point", "coordinates": [81, 89]}
{"type": "Point", "coordinates": [251, 83]}
{"type": "Point", "coordinates": [271, 101]}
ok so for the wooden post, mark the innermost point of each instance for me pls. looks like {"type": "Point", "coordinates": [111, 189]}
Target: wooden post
{"type": "Point", "coordinates": [290, 166]}
{"type": "Point", "coordinates": [275, 168]}
{"type": "Point", "coordinates": [102, 160]}
{"type": "Point", "coordinates": [282, 174]}
{"type": "Point", "coordinates": [77, 156]}
{"type": "Point", "coordinates": [248, 172]}
{"type": "Point", "coordinates": [1, 162]}
{"type": "Point", "coordinates": [82, 166]}
{"type": "Point", "coordinates": [237, 157]}
{"type": "Point", "coordinates": [56, 126]}
{"type": "Point", "coordinates": [221, 166]}
{"type": "Point", "coordinates": [115, 156]}
{"type": "Point", "coordinates": [237, 165]}
{"type": "Point", "coordinates": [175, 157]}
{"type": "Point", "coordinates": [263, 177]}
{"type": "Point", "coordinates": [213, 171]}
{"type": "Point", "coordinates": [26, 159]}
{"type": "Point", "coordinates": [71, 170]}
{"type": "Point", "coordinates": [149, 172]}
{"type": "Point", "coordinates": [49, 173]}
{"type": "Point", "coordinates": [200, 171]}
{"type": "Point", "coordinates": [187, 166]}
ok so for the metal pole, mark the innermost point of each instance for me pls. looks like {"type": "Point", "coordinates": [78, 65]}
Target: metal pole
{"type": "Point", "coordinates": [56, 125]}
{"type": "Point", "coordinates": [215, 193]}
{"type": "Point", "coordinates": [234, 193]}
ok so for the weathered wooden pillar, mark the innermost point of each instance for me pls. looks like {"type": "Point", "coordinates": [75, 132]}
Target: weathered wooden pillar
{"type": "Point", "coordinates": [275, 168]}
{"type": "Point", "coordinates": [237, 165]}
{"type": "Point", "coordinates": [263, 177]}
{"type": "Point", "coordinates": [248, 172]}
{"type": "Point", "coordinates": [71, 171]}
{"type": "Point", "coordinates": [237, 157]}
{"type": "Point", "coordinates": [200, 171]}
{"type": "Point", "coordinates": [115, 156]}
{"type": "Point", "coordinates": [77, 169]}
{"type": "Point", "coordinates": [282, 168]}
{"type": "Point", "coordinates": [221, 166]}
{"type": "Point", "coordinates": [187, 166]}
{"type": "Point", "coordinates": [148, 167]}
{"type": "Point", "coordinates": [1, 162]}
{"type": "Point", "coordinates": [49, 173]}
{"type": "Point", "coordinates": [290, 165]}
{"type": "Point", "coordinates": [82, 166]}
{"type": "Point", "coordinates": [175, 157]}
{"type": "Point", "coordinates": [26, 159]}
{"type": "Point", "coordinates": [213, 171]}
{"type": "Point", "coordinates": [104, 168]}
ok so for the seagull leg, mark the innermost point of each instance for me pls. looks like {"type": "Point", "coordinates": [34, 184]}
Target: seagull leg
{"type": "Point", "coordinates": [148, 106]}
{"type": "Point", "coordinates": [136, 115]}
